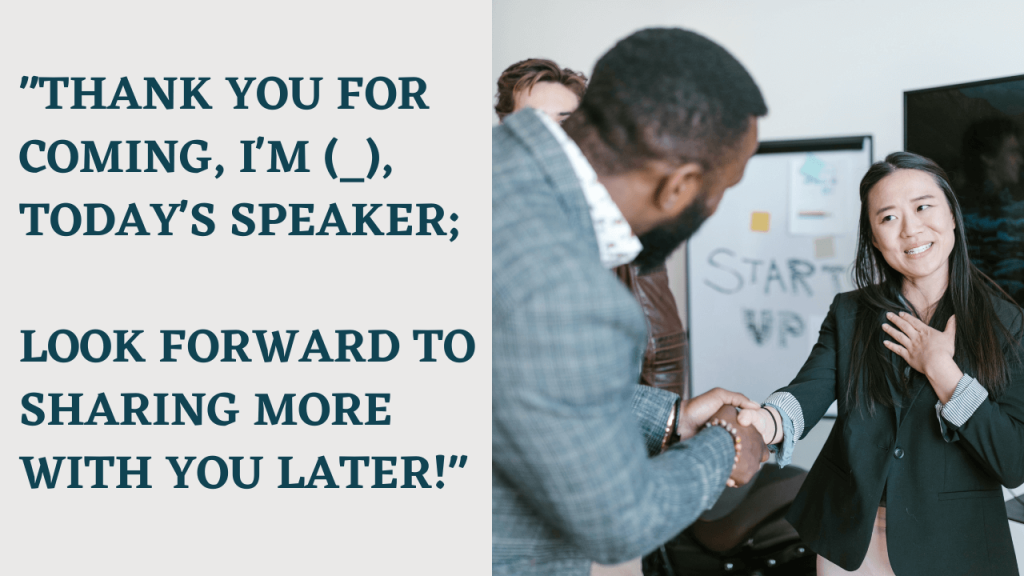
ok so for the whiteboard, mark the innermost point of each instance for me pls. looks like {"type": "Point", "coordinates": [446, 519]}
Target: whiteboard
{"type": "Point", "coordinates": [764, 269]}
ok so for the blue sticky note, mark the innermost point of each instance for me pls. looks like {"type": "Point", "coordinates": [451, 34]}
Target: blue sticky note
{"type": "Point", "coordinates": [812, 167]}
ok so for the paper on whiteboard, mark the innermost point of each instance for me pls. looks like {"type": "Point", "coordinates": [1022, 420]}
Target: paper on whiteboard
{"type": "Point", "coordinates": [819, 196]}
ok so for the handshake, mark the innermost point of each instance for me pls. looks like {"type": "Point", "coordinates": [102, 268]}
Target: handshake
{"type": "Point", "coordinates": [744, 416]}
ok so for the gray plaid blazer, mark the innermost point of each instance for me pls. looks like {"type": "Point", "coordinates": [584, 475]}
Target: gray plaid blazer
{"type": "Point", "coordinates": [575, 472]}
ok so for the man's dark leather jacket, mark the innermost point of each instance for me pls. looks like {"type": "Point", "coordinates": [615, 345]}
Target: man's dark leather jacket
{"type": "Point", "coordinates": [666, 357]}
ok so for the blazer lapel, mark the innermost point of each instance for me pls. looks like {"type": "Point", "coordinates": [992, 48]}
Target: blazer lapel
{"type": "Point", "coordinates": [919, 382]}
{"type": "Point", "coordinates": [550, 157]}
{"type": "Point", "coordinates": [897, 371]}
{"type": "Point", "coordinates": [902, 371]}
{"type": "Point", "coordinates": [902, 404]}
{"type": "Point", "coordinates": [897, 398]}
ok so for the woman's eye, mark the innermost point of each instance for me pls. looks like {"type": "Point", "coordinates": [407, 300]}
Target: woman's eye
{"type": "Point", "coordinates": [888, 217]}
{"type": "Point", "coordinates": [923, 207]}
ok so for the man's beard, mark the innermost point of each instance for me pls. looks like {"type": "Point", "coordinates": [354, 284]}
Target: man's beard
{"type": "Point", "coordinates": [661, 242]}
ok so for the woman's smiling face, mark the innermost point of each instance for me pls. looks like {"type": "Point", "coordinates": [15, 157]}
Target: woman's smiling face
{"type": "Point", "coordinates": [912, 224]}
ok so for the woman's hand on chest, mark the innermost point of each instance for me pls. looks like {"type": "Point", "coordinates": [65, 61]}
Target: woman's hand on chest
{"type": "Point", "coordinates": [926, 350]}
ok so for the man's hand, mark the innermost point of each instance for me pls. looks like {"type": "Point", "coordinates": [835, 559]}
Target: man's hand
{"type": "Point", "coordinates": [752, 453]}
{"type": "Point", "coordinates": [696, 411]}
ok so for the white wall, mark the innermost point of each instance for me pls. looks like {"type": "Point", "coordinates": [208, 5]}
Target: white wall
{"type": "Point", "coordinates": [826, 67]}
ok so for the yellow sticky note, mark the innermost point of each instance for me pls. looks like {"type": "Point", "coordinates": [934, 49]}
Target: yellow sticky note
{"type": "Point", "coordinates": [759, 221]}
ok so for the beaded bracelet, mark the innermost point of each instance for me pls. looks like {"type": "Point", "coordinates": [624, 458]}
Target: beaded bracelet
{"type": "Point", "coordinates": [735, 439]}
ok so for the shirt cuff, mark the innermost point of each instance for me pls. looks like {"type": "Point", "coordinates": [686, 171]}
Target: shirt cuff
{"type": "Point", "coordinates": [947, 434]}
{"type": "Point", "coordinates": [786, 402]}
{"type": "Point", "coordinates": [967, 397]}
{"type": "Point", "coordinates": [784, 450]}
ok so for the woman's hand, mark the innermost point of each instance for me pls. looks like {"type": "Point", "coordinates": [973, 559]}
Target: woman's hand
{"type": "Point", "coordinates": [764, 421]}
{"type": "Point", "coordinates": [926, 350]}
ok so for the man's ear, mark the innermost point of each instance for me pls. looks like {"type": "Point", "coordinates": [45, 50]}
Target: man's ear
{"type": "Point", "coordinates": [679, 189]}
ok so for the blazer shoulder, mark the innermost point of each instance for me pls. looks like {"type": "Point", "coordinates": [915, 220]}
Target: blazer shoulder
{"type": "Point", "coordinates": [508, 153]}
{"type": "Point", "coordinates": [521, 136]}
{"type": "Point", "coordinates": [846, 304]}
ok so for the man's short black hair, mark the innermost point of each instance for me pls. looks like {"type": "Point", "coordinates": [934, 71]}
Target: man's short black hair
{"type": "Point", "coordinates": [667, 94]}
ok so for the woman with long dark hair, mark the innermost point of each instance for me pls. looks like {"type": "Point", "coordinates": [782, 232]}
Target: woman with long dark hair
{"type": "Point", "coordinates": [925, 361]}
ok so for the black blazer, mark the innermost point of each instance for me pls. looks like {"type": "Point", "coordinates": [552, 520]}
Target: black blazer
{"type": "Point", "coordinates": [945, 512]}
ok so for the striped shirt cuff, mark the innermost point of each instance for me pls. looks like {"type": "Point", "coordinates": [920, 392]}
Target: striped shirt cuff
{"type": "Point", "coordinates": [786, 402]}
{"type": "Point", "coordinates": [967, 397]}
{"type": "Point", "coordinates": [784, 450]}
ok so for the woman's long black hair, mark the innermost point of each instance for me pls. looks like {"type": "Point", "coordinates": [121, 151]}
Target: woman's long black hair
{"type": "Point", "coordinates": [968, 296]}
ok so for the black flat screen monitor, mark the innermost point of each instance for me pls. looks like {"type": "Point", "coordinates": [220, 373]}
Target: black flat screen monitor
{"type": "Point", "coordinates": [974, 131]}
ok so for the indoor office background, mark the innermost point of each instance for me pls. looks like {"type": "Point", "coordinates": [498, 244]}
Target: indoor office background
{"type": "Point", "coordinates": [827, 68]}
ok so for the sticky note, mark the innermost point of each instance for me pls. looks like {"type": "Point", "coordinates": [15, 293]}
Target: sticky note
{"type": "Point", "coordinates": [812, 166]}
{"type": "Point", "coordinates": [825, 247]}
{"type": "Point", "coordinates": [759, 221]}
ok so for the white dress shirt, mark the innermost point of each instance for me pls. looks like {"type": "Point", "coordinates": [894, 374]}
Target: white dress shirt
{"type": "Point", "coordinates": [615, 239]}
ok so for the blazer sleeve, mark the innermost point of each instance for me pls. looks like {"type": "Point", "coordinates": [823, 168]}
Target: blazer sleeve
{"type": "Point", "coordinates": [572, 431]}
{"type": "Point", "coordinates": [809, 395]}
{"type": "Point", "coordinates": [994, 433]}
{"type": "Point", "coordinates": [652, 408]}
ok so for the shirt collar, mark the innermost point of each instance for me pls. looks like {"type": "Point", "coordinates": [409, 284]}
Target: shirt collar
{"type": "Point", "coordinates": [616, 242]}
